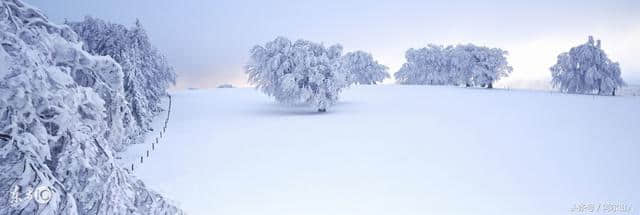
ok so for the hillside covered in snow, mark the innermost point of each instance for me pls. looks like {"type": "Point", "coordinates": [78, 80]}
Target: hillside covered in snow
{"type": "Point", "coordinates": [393, 149]}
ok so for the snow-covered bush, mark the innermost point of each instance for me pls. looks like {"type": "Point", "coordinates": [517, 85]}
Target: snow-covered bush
{"type": "Point", "coordinates": [361, 68]}
{"type": "Point", "coordinates": [147, 74]}
{"type": "Point", "coordinates": [298, 72]}
{"type": "Point", "coordinates": [467, 65]}
{"type": "Point", "coordinates": [61, 110]}
{"type": "Point", "coordinates": [586, 69]}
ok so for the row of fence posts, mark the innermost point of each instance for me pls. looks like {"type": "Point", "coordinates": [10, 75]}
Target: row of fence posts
{"type": "Point", "coordinates": [157, 139]}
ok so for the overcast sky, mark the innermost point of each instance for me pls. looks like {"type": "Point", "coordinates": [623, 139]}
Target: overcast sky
{"type": "Point", "coordinates": [208, 41]}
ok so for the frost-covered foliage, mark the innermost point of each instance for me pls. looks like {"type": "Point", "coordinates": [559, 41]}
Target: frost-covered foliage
{"type": "Point", "coordinates": [361, 68]}
{"type": "Point", "coordinates": [298, 72]}
{"type": "Point", "coordinates": [468, 65]}
{"type": "Point", "coordinates": [586, 69]}
{"type": "Point", "coordinates": [147, 74]}
{"type": "Point", "coordinates": [428, 65]}
{"type": "Point", "coordinates": [61, 112]}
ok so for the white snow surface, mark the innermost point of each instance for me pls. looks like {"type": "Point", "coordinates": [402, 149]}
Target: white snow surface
{"type": "Point", "coordinates": [392, 149]}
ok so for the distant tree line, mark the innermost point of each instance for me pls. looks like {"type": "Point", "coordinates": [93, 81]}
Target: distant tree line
{"type": "Point", "coordinates": [310, 73]}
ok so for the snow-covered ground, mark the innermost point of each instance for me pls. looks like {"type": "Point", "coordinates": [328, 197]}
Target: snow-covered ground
{"type": "Point", "coordinates": [398, 150]}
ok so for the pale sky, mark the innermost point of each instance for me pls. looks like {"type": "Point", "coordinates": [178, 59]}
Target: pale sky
{"type": "Point", "coordinates": [208, 41]}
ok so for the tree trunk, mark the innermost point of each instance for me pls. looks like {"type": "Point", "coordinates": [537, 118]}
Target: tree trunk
{"type": "Point", "coordinates": [468, 85]}
{"type": "Point", "coordinates": [490, 86]}
{"type": "Point", "coordinates": [614, 92]}
{"type": "Point", "coordinates": [5, 137]}
{"type": "Point", "coordinates": [322, 110]}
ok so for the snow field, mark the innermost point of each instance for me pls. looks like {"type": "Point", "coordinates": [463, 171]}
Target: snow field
{"type": "Point", "coordinates": [392, 149]}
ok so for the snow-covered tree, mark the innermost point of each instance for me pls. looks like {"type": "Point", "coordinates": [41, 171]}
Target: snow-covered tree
{"type": "Point", "coordinates": [586, 69]}
{"type": "Point", "coordinates": [459, 61]}
{"type": "Point", "coordinates": [429, 65]}
{"type": "Point", "coordinates": [300, 72]}
{"type": "Point", "coordinates": [61, 110]}
{"type": "Point", "coordinates": [147, 74]}
{"type": "Point", "coordinates": [467, 65]}
{"type": "Point", "coordinates": [361, 68]}
{"type": "Point", "coordinates": [486, 65]}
